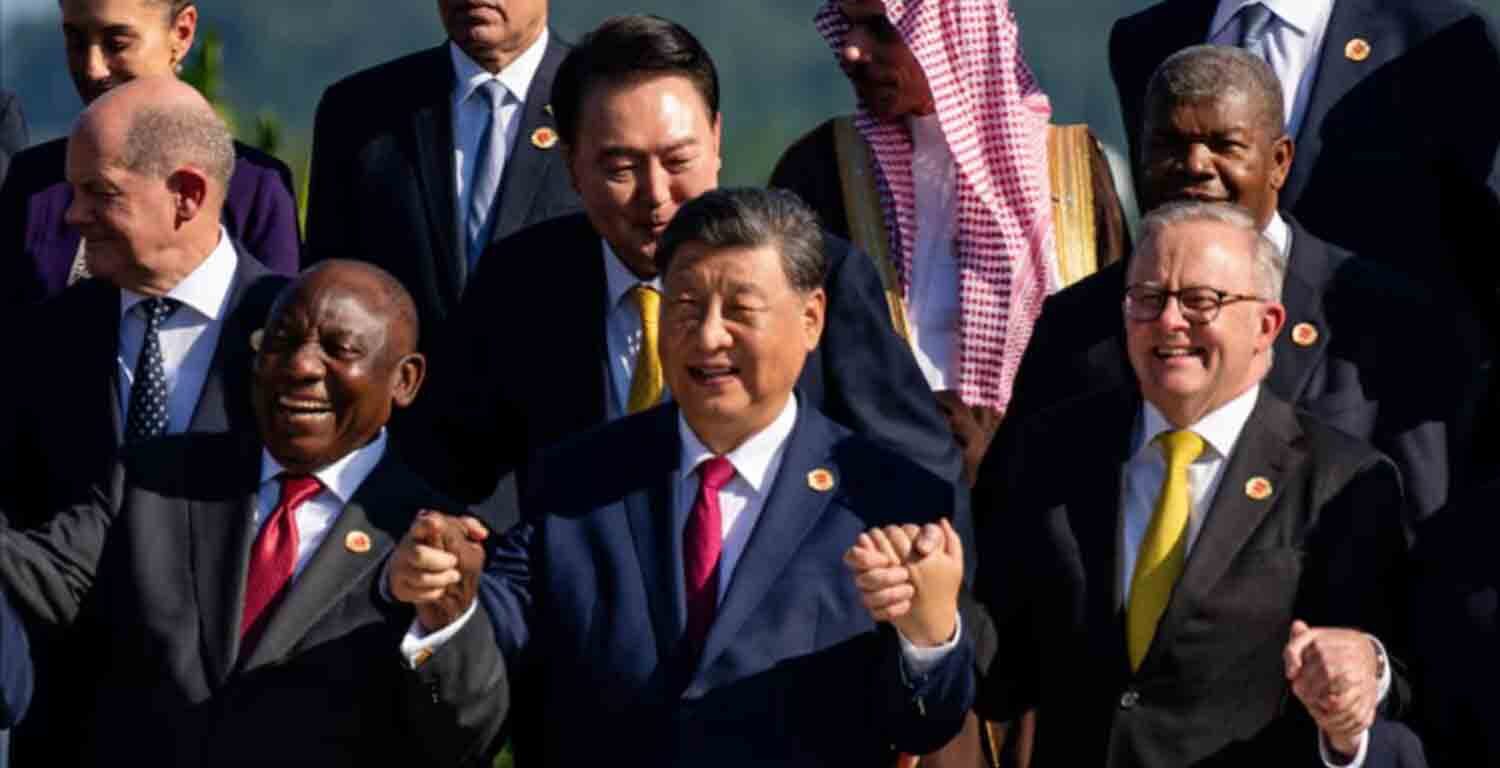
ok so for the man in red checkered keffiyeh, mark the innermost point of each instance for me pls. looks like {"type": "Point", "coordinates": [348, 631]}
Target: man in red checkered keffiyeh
{"type": "Point", "coordinates": [957, 127]}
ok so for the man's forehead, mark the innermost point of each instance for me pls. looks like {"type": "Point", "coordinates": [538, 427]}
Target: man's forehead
{"type": "Point", "coordinates": [1201, 249]}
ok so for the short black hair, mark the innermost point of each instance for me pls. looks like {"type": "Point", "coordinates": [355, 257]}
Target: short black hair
{"type": "Point", "coordinates": [1203, 73]}
{"type": "Point", "coordinates": [627, 48]}
{"type": "Point", "coordinates": [751, 217]}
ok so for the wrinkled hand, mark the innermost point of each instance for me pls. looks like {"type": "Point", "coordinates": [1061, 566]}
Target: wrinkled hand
{"type": "Point", "coordinates": [1334, 674]}
{"type": "Point", "coordinates": [436, 567]}
{"type": "Point", "coordinates": [973, 428]}
{"type": "Point", "coordinates": [910, 576]}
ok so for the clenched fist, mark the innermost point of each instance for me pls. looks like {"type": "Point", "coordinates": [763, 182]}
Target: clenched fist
{"type": "Point", "coordinates": [436, 567]}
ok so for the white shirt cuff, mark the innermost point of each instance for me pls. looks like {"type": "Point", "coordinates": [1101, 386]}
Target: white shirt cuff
{"type": "Point", "coordinates": [419, 645]}
{"type": "Point", "coordinates": [920, 661]}
{"type": "Point", "coordinates": [1359, 757]}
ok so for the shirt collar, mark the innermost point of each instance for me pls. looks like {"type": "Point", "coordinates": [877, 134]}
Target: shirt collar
{"type": "Point", "coordinates": [1220, 428]}
{"type": "Point", "coordinates": [753, 458]}
{"type": "Point", "coordinates": [1278, 233]}
{"type": "Point", "coordinates": [1305, 16]}
{"type": "Point", "coordinates": [516, 77]}
{"type": "Point", "coordinates": [619, 279]}
{"type": "Point", "coordinates": [342, 477]}
{"type": "Point", "coordinates": [205, 289]}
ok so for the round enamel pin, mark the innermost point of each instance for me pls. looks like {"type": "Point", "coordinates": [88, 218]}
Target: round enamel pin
{"type": "Point", "coordinates": [1258, 488]}
{"type": "Point", "coordinates": [820, 480]}
{"type": "Point", "coordinates": [1357, 49]}
{"type": "Point", "coordinates": [1304, 334]}
{"type": "Point", "coordinates": [357, 542]}
{"type": "Point", "coordinates": [544, 138]}
{"type": "Point", "coordinates": [255, 338]}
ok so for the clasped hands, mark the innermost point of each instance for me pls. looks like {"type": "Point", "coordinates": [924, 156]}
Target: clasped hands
{"type": "Point", "coordinates": [909, 575]}
{"type": "Point", "coordinates": [1336, 676]}
{"type": "Point", "coordinates": [436, 567]}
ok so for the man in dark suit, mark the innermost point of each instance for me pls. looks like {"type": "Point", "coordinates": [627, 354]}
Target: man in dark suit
{"type": "Point", "coordinates": [1177, 554]}
{"type": "Point", "coordinates": [1379, 113]}
{"type": "Point", "coordinates": [555, 343]}
{"type": "Point", "coordinates": [678, 584]}
{"type": "Point", "coordinates": [12, 129]}
{"type": "Point", "coordinates": [109, 43]}
{"type": "Point", "coordinates": [228, 588]}
{"type": "Point", "coordinates": [1213, 132]}
{"type": "Point", "coordinates": [421, 162]}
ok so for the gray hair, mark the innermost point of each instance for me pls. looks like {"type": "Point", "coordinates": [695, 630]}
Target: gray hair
{"type": "Point", "coordinates": [162, 139]}
{"type": "Point", "coordinates": [749, 217]}
{"type": "Point", "coordinates": [1268, 262]}
{"type": "Point", "coordinates": [1207, 72]}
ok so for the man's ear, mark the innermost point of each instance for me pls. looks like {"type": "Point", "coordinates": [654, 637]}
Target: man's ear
{"type": "Point", "coordinates": [189, 187]}
{"type": "Point", "coordinates": [814, 310]}
{"type": "Point", "coordinates": [1282, 153]}
{"type": "Point", "coordinates": [410, 373]}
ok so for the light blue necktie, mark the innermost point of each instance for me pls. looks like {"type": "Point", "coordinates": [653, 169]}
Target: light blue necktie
{"type": "Point", "coordinates": [1255, 21]}
{"type": "Point", "coordinates": [489, 162]}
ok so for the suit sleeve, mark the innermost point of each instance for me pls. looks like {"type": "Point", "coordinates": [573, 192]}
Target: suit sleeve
{"type": "Point", "coordinates": [16, 673]}
{"type": "Point", "coordinates": [871, 381]}
{"type": "Point", "coordinates": [49, 570]}
{"type": "Point", "coordinates": [327, 184]}
{"type": "Point", "coordinates": [1128, 87]}
{"type": "Point", "coordinates": [13, 135]}
{"type": "Point", "coordinates": [458, 699]}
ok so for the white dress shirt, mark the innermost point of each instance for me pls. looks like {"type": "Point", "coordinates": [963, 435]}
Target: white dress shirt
{"type": "Point", "coordinates": [188, 337]}
{"type": "Point", "coordinates": [316, 516]}
{"type": "Point", "coordinates": [1142, 480]}
{"type": "Point", "coordinates": [1294, 39]}
{"type": "Point", "coordinates": [932, 295]}
{"type": "Point", "coordinates": [622, 325]}
{"type": "Point", "coordinates": [1279, 233]}
{"type": "Point", "coordinates": [471, 113]}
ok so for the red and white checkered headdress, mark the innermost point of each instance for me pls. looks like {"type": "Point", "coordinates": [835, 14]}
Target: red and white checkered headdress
{"type": "Point", "coordinates": [994, 116]}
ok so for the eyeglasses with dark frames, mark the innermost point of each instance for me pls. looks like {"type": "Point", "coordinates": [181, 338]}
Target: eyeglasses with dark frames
{"type": "Point", "coordinates": [1199, 304]}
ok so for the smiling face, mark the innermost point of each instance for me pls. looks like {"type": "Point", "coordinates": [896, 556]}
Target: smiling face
{"type": "Point", "coordinates": [113, 41]}
{"type": "Point", "coordinates": [644, 148]}
{"type": "Point", "coordinates": [1215, 150]}
{"type": "Point", "coordinates": [333, 362]}
{"type": "Point", "coordinates": [734, 337]}
{"type": "Point", "coordinates": [886, 75]}
{"type": "Point", "coordinates": [1188, 370]}
{"type": "Point", "coordinates": [129, 219]}
{"type": "Point", "coordinates": [493, 32]}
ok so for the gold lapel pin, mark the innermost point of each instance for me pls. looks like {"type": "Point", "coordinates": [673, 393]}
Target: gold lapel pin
{"type": "Point", "coordinates": [820, 480]}
{"type": "Point", "coordinates": [1258, 488]}
{"type": "Point", "coordinates": [357, 542]}
{"type": "Point", "coordinates": [1304, 334]}
{"type": "Point", "coordinates": [547, 109]}
{"type": "Point", "coordinates": [544, 138]}
{"type": "Point", "coordinates": [255, 338]}
{"type": "Point", "coordinates": [1357, 49]}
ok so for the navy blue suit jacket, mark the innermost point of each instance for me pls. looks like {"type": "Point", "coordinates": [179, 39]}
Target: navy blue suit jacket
{"type": "Point", "coordinates": [521, 366]}
{"type": "Point", "coordinates": [1396, 159]}
{"type": "Point", "coordinates": [588, 595]}
{"type": "Point", "coordinates": [382, 187]}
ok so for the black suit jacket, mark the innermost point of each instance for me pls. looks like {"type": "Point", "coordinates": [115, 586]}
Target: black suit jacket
{"type": "Point", "coordinates": [62, 426]}
{"type": "Point", "coordinates": [1455, 626]}
{"type": "Point", "coordinates": [12, 129]}
{"type": "Point", "coordinates": [1391, 364]}
{"type": "Point", "coordinates": [150, 575]}
{"type": "Point", "coordinates": [522, 364]}
{"type": "Point", "coordinates": [1396, 159]}
{"type": "Point", "coordinates": [1326, 547]}
{"type": "Point", "coordinates": [382, 186]}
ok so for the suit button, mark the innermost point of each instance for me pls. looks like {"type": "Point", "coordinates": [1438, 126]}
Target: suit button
{"type": "Point", "coordinates": [1129, 699]}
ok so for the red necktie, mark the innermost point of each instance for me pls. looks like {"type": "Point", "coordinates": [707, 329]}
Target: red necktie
{"type": "Point", "coordinates": [275, 552]}
{"type": "Point", "coordinates": [702, 540]}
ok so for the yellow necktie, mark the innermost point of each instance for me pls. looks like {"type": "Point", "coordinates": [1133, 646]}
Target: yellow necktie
{"type": "Point", "coordinates": [1163, 551]}
{"type": "Point", "coordinates": [646, 384]}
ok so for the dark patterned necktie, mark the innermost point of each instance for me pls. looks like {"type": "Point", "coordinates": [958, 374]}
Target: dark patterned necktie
{"type": "Point", "coordinates": [147, 417]}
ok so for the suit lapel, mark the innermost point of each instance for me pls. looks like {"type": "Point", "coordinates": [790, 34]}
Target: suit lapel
{"type": "Point", "coordinates": [655, 524]}
{"type": "Point", "coordinates": [220, 542]}
{"type": "Point", "coordinates": [381, 509]}
{"type": "Point", "coordinates": [102, 328]}
{"type": "Point", "coordinates": [231, 349]}
{"type": "Point", "coordinates": [578, 352]}
{"type": "Point", "coordinates": [1337, 75]}
{"type": "Point", "coordinates": [1263, 452]}
{"type": "Point", "coordinates": [790, 511]}
{"type": "Point", "coordinates": [432, 127]}
{"type": "Point", "coordinates": [1302, 295]}
{"type": "Point", "coordinates": [527, 162]}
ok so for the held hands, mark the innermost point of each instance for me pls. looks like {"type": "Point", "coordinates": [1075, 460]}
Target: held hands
{"type": "Point", "coordinates": [436, 567]}
{"type": "Point", "coordinates": [1335, 674]}
{"type": "Point", "coordinates": [910, 576]}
